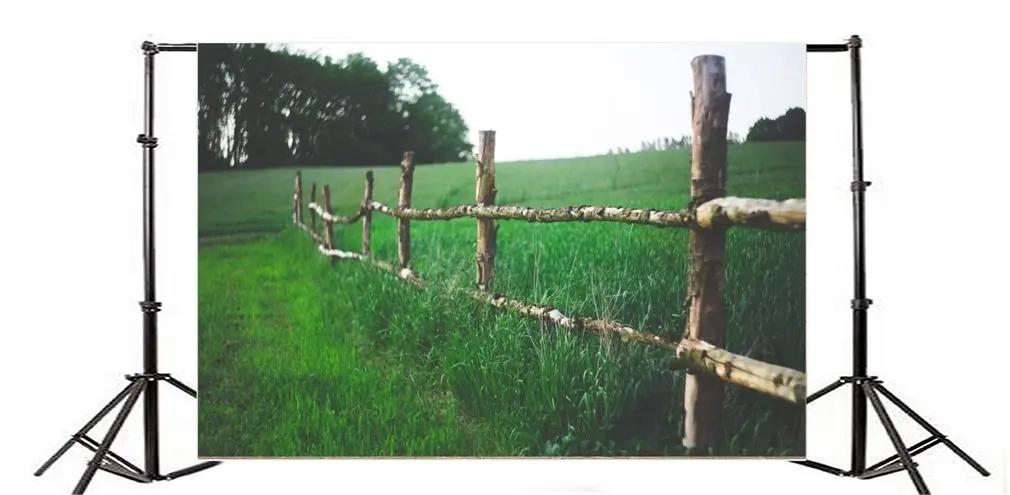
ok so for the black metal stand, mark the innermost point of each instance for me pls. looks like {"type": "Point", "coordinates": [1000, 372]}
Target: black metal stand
{"type": "Point", "coordinates": [145, 384]}
{"type": "Point", "coordinates": [867, 387]}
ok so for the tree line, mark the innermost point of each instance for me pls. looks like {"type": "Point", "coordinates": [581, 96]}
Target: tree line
{"type": "Point", "coordinates": [263, 106]}
{"type": "Point", "coordinates": [268, 107]}
{"type": "Point", "coordinates": [790, 126]}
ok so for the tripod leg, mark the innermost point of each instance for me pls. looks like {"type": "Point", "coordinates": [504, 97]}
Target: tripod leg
{"type": "Point", "coordinates": [892, 432]}
{"type": "Point", "coordinates": [824, 391]}
{"type": "Point", "coordinates": [136, 389]}
{"type": "Point", "coordinates": [936, 433]}
{"type": "Point", "coordinates": [181, 386]}
{"type": "Point", "coordinates": [83, 431]}
{"type": "Point", "coordinates": [196, 468]}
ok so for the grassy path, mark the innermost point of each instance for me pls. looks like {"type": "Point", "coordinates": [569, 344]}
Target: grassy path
{"type": "Point", "coordinates": [282, 374]}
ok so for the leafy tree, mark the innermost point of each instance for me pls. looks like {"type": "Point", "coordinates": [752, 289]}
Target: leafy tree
{"type": "Point", "coordinates": [790, 126]}
{"type": "Point", "coordinates": [268, 107]}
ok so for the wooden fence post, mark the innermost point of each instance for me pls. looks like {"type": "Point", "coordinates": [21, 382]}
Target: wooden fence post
{"type": "Point", "coordinates": [366, 223]}
{"type": "Point", "coordinates": [312, 211]}
{"type": "Point", "coordinates": [703, 395]}
{"type": "Point", "coordinates": [297, 211]}
{"type": "Point", "coordinates": [403, 224]}
{"type": "Point", "coordinates": [330, 241]}
{"type": "Point", "coordinates": [487, 230]}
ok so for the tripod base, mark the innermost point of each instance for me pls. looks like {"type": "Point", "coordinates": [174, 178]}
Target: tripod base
{"type": "Point", "coordinates": [902, 459]}
{"type": "Point", "coordinates": [107, 460]}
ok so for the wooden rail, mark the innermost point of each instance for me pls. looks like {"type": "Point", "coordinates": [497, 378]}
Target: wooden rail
{"type": "Point", "coordinates": [767, 214]}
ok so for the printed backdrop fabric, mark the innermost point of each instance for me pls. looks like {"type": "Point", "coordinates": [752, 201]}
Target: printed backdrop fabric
{"type": "Point", "coordinates": [502, 250]}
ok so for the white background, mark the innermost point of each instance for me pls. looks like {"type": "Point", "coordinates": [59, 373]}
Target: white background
{"type": "Point", "coordinates": [936, 106]}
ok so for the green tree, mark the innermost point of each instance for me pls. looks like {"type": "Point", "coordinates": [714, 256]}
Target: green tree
{"type": "Point", "coordinates": [262, 106]}
{"type": "Point", "coordinates": [790, 126]}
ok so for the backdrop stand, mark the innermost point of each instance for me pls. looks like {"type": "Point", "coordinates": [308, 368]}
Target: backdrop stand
{"type": "Point", "coordinates": [867, 387]}
{"type": "Point", "coordinates": [145, 383]}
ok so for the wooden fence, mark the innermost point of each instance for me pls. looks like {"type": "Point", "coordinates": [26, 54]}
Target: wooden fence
{"type": "Point", "coordinates": [709, 214]}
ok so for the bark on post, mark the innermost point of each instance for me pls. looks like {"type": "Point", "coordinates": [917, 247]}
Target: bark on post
{"type": "Point", "coordinates": [328, 208]}
{"type": "Point", "coordinates": [366, 224]}
{"type": "Point", "coordinates": [312, 211]}
{"type": "Point", "coordinates": [703, 395]}
{"type": "Point", "coordinates": [297, 210]}
{"type": "Point", "coordinates": [403, 224]}
{"type": "Point", "coordinates": [487, 230]}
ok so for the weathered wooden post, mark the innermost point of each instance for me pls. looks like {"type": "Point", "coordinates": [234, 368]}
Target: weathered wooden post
{"type": "Point", "coordinates": [366, 223]}
{"type": "Point", "coordinates": [312, 211]}
{"type": "Point", "coordinates": [297, 211]}
{"type": "Point", "coordinates": [403, 224]}
{"type": "Point", "coordinates": [703, 395]}
{"type": "Point", "coordinates": [487, 230]}
{"type": "Point", "coordinates": [328, 208]}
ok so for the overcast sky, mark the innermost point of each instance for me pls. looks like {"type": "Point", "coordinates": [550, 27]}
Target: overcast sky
{"type": "Point", "coordinates": [548, 100]}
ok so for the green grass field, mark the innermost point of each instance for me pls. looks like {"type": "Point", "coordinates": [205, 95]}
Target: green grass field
{"type": "Point", "coordinates": [298, 358]}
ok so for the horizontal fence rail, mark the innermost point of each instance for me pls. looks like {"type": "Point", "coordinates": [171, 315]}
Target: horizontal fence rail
{"type": "Point", "coordinates": [547, 215]}
{"type": "Point", "coordinates": [755, 213]}
{"type": "Point", "coordinates": [769, 214]}
{"type": "Point", "coordinates": [330, 217]}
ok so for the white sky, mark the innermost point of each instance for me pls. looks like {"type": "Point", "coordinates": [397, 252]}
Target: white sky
{"type": "Point", "coordinates": [550, 100]}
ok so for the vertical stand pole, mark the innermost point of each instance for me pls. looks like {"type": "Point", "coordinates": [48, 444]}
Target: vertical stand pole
{"type": "Point", "coordinates": [859, 301]}
{"type": "Point", "coordinates": [150, 306]}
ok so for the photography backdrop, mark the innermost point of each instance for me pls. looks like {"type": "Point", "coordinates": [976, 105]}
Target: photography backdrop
{"type": "Point", "coordinates": [304, 356]}
{"type": "Point", "coordinates": [906, 332]}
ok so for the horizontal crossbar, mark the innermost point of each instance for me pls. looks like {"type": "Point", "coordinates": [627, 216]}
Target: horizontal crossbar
{"type": "Point", "coordinates": [827, 48]}
{"type": "Point", "coordinates": [914, 450]}
{"type": "Point", "coordinates": [92, 445]}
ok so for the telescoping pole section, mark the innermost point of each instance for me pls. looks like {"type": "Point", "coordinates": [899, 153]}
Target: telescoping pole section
{"type": "Point", "coordinates": [859, 302]}
{"type": "Point", "coordinates": [150, 306]}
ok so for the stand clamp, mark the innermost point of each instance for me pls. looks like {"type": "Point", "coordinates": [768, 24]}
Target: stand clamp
{"type": "Point", "coordinates": [147, 141]}
{"type": "Point", "coordinates": [150, 306]}
{"type": "Point", "coordinates": [149, 376]}
{"type": "Point", "coordinates": [859, 380]}
{"type": "Point", "coordinates": [859, 185]}
{"type": "Point", "coordinates": [149, 48]}
{"type": "Point", "coordinates": [861, 304]}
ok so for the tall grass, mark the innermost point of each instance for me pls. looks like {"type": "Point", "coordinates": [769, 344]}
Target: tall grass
{"type": "Point", "coordinates": [301, 359]}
